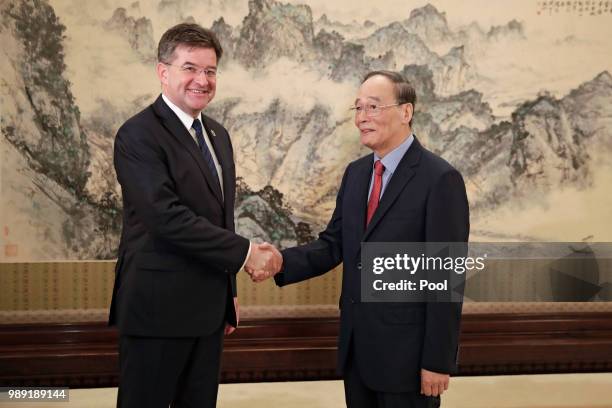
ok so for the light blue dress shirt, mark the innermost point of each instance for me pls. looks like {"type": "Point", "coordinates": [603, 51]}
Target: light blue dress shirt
{"type": "Point", "coordinates": [390, 161]}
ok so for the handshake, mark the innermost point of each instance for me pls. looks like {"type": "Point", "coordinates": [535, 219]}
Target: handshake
{"type": "Point", "coordinates": [264, 262]}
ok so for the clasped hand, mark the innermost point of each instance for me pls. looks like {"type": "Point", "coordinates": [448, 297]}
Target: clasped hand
{"type": "Point", "coordinates": [264, 262]}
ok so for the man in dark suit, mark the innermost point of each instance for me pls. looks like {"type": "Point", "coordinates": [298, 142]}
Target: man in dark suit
{"type": "Point", "coordinates": [175, 285]}
{"type": "Point", "coordinates": [390, 354]}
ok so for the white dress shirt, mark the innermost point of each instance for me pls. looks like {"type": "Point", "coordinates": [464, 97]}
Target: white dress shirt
{"type": "Point", "coordinates": [187, 121]}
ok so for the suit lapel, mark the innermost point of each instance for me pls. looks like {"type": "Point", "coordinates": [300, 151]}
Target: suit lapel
{"type": "Point", "coordinates": [224, 156]}
{"type": "Point", "coordinates": [172, 123]}
{"type": "Point", "coordinates": [363, 176]}
{"type": "Point", "coordinates": [403, 174]}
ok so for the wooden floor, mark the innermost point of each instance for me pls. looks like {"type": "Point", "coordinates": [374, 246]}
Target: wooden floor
{"type": "Point", "coordinates": [525, 391]}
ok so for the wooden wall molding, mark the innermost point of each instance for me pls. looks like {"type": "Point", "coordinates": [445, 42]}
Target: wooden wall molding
{"type": "Point", "coordinates": [85, 355]}
{"type": "Point", "coordinates": [536, 343]}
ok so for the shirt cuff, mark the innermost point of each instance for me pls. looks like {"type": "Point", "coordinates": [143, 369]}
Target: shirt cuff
{"type": "Point", "coordinates": [247, 257]}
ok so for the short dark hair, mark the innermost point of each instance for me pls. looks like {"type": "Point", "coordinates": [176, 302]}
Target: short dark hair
{"type": "Point", "coordinates": [191, 35]}
{"type": "Point", "coordinates": [404, 91]}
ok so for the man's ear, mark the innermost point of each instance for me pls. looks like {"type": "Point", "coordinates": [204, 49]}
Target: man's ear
{"type": "Point", "coordinates": [162, 72]}
{"type": "Point", "coordinates": [408, 113]}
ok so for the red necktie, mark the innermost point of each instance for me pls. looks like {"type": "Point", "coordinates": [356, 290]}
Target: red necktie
{"type": "Point", "coordinates": [376, 189]}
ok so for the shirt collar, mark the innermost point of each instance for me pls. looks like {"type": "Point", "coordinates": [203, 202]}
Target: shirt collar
{"type": "Point", "coordinates": [392, 159]}
{"type": "Point", "coordinates": [185, 118]}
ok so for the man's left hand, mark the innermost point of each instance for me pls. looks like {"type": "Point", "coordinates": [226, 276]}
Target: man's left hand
{"type": "Point", "coordinates": [433, 384]}
{"type": "Point", "coordinates": [229, 329]}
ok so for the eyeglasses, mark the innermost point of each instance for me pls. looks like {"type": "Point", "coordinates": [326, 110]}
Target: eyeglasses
{"type": "Point", "coordinates": [372, 109]}
{"type": "Point", "coordinates": [193, 70]}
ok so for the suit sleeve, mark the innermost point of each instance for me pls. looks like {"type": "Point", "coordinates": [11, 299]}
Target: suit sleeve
{"type": "Point", "coordinates": [318, 257]}
{"type": "Point", "coordinates": [234, 285]}
{"type": "Point", "coordinates": [447, 221]}
{"type": "Point", "coordinates": [142, 171]}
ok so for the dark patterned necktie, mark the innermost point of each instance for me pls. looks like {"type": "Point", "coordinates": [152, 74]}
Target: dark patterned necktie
{"type": "Point", "coordinates": [197, 126]}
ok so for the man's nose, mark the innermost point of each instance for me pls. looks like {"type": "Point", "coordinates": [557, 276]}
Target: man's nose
{"type": "Point", "coordinates": [201, 78]}
{"type": "Point", "coordinates": [361, 117]}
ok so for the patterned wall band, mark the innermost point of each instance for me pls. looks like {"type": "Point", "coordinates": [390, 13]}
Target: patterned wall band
{"type": "Point", "coordinates": [81, 291]}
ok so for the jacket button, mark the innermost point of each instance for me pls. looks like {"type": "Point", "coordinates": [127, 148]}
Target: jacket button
{"type": "Point", "coordinates": [359, 266]}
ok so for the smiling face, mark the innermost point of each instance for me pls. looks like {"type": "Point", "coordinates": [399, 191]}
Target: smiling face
{"type": "Point", "coordinates": [190, 92]}
{"type": "Point", "coordinates": [386, 130]}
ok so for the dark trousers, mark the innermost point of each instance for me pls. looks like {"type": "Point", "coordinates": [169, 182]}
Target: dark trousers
{"type": "Point", "coordinates": [358, 395]}
{"type": "Point", "coordinates": [180, 372]}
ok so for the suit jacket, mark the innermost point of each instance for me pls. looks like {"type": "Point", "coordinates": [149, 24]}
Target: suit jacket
{"type": "Point", "coordinates": [178, 255]}
{"type": "Point", "coordinates": [425, 201]}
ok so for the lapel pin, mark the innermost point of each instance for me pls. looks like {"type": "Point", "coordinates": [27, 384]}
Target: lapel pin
{"type": "Point", "coordinates": [213, 133]}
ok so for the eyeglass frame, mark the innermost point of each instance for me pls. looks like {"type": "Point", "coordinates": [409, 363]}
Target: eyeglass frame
{"type": "Point", "coordinates": [186, 69]}
{"type": "Point", "coordinates": [368, 111]}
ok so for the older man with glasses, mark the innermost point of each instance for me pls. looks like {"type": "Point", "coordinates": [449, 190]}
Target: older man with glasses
{"type": "Point", "coordinates": [391, 355]}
